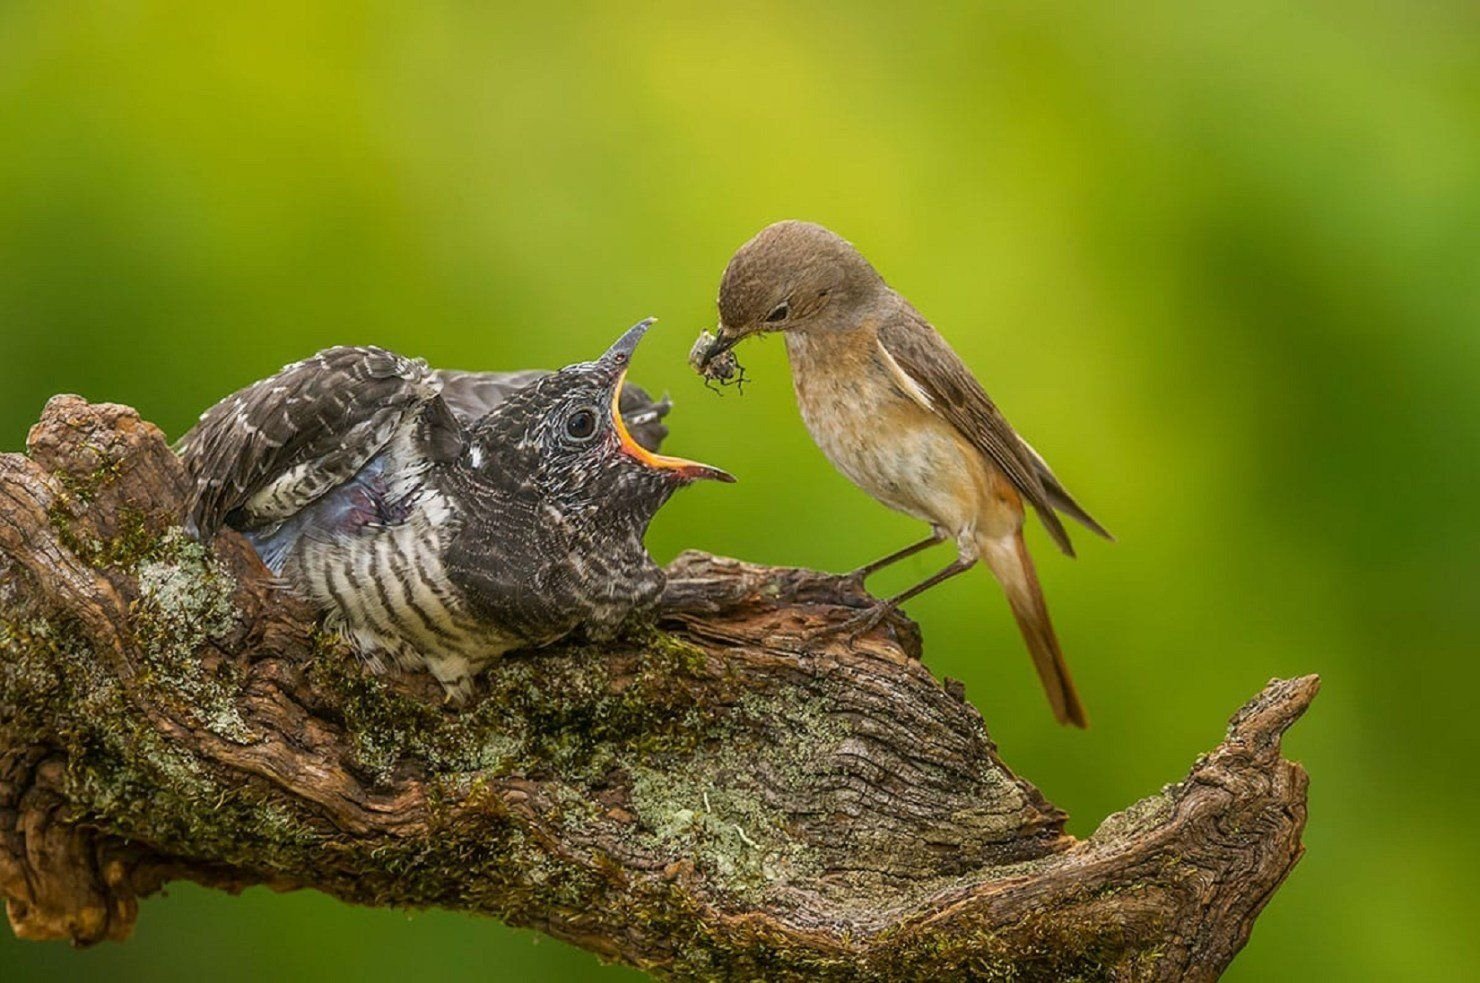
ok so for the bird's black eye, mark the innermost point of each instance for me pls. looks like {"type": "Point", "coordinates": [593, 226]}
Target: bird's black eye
{"type": "Point", "coordinates": [581, 424]}
{"type": "Point", "coordinates": [778, 313]}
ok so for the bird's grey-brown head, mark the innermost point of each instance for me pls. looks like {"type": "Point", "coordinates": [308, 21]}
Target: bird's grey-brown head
{"type": "Point", "coordinates": [794, 276]}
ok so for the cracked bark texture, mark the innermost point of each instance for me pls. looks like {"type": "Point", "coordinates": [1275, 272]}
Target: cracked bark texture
{"type": "Point", "coordinates": [714, 796]}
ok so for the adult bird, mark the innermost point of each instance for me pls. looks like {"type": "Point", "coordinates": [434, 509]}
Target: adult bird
{"type": "Point", "coordinates": [441, 520]}
{"type": "Point", "coordinates": [897, 412]}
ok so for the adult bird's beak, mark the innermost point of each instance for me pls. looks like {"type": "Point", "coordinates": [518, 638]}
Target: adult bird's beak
{"type": "Point", "coordinates": [619, 356]}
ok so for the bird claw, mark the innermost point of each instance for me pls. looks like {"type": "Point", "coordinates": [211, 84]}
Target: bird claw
{"type": "Point", "coordinates": [859, 625]}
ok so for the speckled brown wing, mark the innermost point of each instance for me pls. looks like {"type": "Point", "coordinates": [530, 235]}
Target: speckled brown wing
{"type": "Point", "coordinates": [955, 394]}
{"type": "Point", "coordinates": [269, 450]}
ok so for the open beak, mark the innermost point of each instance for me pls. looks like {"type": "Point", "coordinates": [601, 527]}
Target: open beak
{"type": "Point", "coordinates": [620, 355]}
{"type": "Point", "coordinates": [678, 466]}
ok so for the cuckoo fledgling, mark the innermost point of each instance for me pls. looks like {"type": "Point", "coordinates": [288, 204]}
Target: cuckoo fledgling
{"type": "Point", "coordinates": [440, 520]}
{"type": "Point", "coordinates": [899, 414]}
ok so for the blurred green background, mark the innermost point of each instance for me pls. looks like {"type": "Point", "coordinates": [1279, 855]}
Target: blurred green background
{"type": "Point", "coordinates": [1221, 264]}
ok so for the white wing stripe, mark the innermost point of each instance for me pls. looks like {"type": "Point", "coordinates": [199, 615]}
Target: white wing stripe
{"type": "Point", "coordinates": [903, 379]}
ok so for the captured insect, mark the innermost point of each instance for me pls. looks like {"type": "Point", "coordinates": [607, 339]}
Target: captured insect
{"type": "Point", "coordinates": [723, 368]}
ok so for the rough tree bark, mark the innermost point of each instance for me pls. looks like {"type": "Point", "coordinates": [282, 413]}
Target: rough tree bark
{"type": "Point", "coordinates": [709, 797]}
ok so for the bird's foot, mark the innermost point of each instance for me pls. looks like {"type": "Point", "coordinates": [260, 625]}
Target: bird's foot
{"type": "Point", "coordinates": [860, 624]}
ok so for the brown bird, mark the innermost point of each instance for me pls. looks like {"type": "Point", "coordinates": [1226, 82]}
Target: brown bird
{"type": "Point", "coordinates": [899, 413]}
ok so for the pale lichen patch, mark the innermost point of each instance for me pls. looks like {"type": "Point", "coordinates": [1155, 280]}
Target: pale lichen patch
{"type": "Point", "coordinates": [719, 807]}
{"type": "Point", "coordinates": [184, 601]}
{"type": "Point", "coordinates": [186, 595]}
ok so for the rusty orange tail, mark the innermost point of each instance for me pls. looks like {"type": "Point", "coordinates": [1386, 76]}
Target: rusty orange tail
{"type": "Point", "coordinates": [1010, 563]}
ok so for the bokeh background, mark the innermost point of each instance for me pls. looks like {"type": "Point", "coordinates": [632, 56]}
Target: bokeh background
{"type": "Point", "coordinates": [1221, 263]}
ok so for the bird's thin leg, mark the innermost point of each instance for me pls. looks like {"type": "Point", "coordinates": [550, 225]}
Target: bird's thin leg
{"type": "Point", "coordinates": [865, 622]}
{"type": "Point", "coordinates": [869, 569]}
{"type": "Point", "coordinates": [959, 566]}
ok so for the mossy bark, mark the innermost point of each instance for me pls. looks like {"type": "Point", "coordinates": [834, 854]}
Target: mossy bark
{"type": "Point", "coordinates": [712, 796]}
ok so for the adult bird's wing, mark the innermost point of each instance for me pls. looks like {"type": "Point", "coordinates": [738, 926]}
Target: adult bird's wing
{"type": "Point", "coordinates": [1059, 497]}
{"type": "Point", "coordinates": [470, 395]}
{"type": "Point", "coordinates": [273, 448]}
{"type": "Point", "coordinates": [936, 375]}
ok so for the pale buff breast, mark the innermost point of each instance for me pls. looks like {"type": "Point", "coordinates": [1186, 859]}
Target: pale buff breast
{"type": "Point", "coordinates": [877, 433]}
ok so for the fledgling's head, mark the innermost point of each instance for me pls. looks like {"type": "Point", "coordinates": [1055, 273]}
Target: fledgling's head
{"type": "Point", "coordinates": [793, 276]}
{"type": "Point", "coordinates": [557, 497]}
{"type": "Point", "coordinates": [562, 441]}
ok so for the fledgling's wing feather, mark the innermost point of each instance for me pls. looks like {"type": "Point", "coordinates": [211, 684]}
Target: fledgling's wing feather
{"type": "Point", "coordinates": [276, 446]}
{"type": "Point", "coordinates": [470, 395]}
{"type": "Point", "coordinates": [938, 372]}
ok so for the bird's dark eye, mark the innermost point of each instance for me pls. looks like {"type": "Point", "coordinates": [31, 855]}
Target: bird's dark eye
{"type": "Point", "coordinates": [581, 424]}
{"type": "Point", "coordinates": [778, 313]}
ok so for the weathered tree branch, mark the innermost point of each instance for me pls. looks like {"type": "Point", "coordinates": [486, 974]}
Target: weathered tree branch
{"type": "Point", "coordinates": [713, 797]}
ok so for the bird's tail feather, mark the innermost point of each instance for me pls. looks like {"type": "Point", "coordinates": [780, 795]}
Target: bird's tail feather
{"type": "Point", "coordinates": [1010, 563]}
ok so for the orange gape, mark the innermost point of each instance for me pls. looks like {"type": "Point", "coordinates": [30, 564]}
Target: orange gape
{"type": "Point", "coordinates": [899, 414]}
{"type": "Point", "coordinates": [630, 447]}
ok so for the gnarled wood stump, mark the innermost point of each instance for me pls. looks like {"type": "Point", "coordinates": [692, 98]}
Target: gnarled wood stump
{"type": "Point", "coordinates": [715, 796]}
